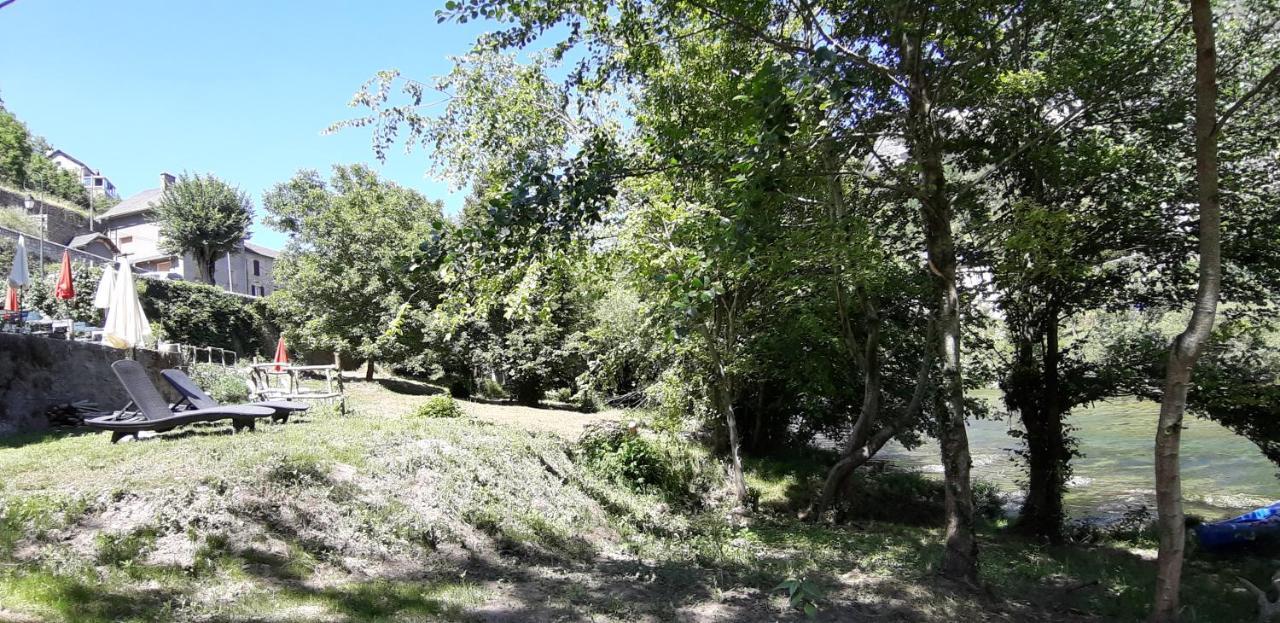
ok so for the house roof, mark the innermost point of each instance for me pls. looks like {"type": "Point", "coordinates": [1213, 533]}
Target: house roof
{"type": "Point", "coordinates": [84, 240]}
{"type": "Point", "coordinates": [261, 250]}
{"type": "Point", "coordinates": [140, 202]}
{"type": "Point", "coordinates": [56, 152]}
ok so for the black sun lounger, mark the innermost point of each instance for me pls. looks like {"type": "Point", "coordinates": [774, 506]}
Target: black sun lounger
{"type": "Point", "coordinates": [197, 398]}
{"type": "Point", "coordinates": [151, 412]}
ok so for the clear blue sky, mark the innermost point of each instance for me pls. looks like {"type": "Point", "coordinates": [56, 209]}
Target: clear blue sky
{"type": "Point", "coordinates": [241, 89]}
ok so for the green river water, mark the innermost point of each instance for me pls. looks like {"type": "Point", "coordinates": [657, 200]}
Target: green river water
{"type": "Point", "coordinates": [1222, 474]}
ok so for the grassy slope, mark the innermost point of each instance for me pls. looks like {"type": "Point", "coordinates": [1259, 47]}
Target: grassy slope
{"type": "Point", "coordinates": [382, 516]}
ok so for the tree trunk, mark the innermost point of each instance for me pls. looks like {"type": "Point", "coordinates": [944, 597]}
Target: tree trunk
{"type": "Point", "coordinates": [368, 370]}
{"type": "Point", "coordinates": [869, 359]}
{"type": "Point", "coordinates": [1189, 345]}
{"type": "Point", "coordinates": [855, 455]}
{"type": "Point", "coordinates": [1042, 513]}
{"type": "Point", "coordinates": [723, 395]}
{"type": "Point", "coordinates": [960, 560]}
{"type": "Point", "coordinates": [725, 392]}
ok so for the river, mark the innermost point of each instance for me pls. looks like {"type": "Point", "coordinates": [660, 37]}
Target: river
{"type": "Point", "coordinates": [1222, 474]}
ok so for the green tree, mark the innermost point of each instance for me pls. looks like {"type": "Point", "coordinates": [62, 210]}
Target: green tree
{"type": "Point", "coordinates": [204, 216]}
{"type": "Point", "coordinates": [15, 148]}
{"type": "Point", "coordinates": [345, 281]}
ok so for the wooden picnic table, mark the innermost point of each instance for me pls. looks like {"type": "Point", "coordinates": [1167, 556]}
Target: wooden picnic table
{"type": "Point", "coordinates": [276, 381]}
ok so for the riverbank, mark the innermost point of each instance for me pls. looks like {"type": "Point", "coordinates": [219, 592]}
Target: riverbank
{"type": "Point", "coordinates": [1223, 474]}
{"type": "Point", "coordinates": [386, 516]}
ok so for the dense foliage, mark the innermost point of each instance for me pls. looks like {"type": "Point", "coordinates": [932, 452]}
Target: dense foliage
{"type": "Point", "coordinates": [439, 406]}
{"type": "Point", "coordinates": [24, 163]}
{"type": "Point", "coordinates": [773, 221]}
{"type": "Point", "coordinates": [204, 315]}
{"type": "Point", "coordinates": [345, 279]}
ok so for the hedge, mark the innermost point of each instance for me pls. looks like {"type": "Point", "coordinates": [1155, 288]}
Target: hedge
{"type": "Point", "coordinates": [203, 315]}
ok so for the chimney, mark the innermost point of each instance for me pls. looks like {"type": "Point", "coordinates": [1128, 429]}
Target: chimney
{"type": "Point", "coordinates": [167, 180]}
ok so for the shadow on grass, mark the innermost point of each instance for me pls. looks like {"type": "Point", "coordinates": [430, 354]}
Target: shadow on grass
{"type": "Point", "coordinates": [544, 405]}
{"type": "Point", "coordinates": [46, 435]}
{"type": "Point", "coordinates": [407, 387]}
{"type": "Point", "coordinates": [885, 573]}
{"type": "Point", "coordinates": [85, 600]}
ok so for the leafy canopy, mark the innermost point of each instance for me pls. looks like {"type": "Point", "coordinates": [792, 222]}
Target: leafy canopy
{"type": "Point", "coordinates": [204, 216]}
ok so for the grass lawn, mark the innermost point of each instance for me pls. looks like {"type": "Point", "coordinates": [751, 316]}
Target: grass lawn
{"type": "Point", "coordinates": [384, 516]}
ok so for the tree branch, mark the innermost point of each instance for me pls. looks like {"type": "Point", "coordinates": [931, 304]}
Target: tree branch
{"type": "Point", "coordinates": [1266, 81]}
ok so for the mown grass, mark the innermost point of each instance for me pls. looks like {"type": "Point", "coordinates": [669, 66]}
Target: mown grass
{"type": "Point", "coordinates": [384, 516]}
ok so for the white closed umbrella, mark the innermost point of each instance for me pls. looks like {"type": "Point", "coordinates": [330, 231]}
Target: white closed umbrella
{"type": "Point", "coordinates": [18, 275]}
{"type": "Point", "coordinates": [126, 324]}
{"type": "Point", "coordinates": [102, 296]}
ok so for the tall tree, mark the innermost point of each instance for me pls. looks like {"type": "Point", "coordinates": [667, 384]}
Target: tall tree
{"type": "Point", "coordinates": [345, 281]}
{"type": "Point", "coordinates": [1189, 345]}
{"type": "Point", "coordinates": [1060, 234]}
{"type": "Point", "coordinates": [204, 216]}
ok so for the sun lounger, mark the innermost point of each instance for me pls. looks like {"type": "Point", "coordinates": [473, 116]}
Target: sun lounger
{"type": "Point", "coordinates": [197, 398]}
{"type": "Point", "coordinates": [149, 410]}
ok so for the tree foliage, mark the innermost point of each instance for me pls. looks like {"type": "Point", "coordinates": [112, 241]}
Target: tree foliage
{"type": "Point", "coordinates": [837, 217]}
{"type": "Point", "coordinates": [24, 163]}
{"type": "Point", "coordinates": [204, 216]}
{"type": "Point", "coordinates": [344, 279]}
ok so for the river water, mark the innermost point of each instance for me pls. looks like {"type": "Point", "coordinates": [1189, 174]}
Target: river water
{"type": "Point", "coordinates": [1222, 474]}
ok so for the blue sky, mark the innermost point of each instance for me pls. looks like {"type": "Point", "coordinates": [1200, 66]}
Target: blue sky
{"type": "Point", "coordinates": [236, 88]}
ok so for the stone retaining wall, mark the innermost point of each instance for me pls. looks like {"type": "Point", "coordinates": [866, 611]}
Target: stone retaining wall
{"type": "Point", "coordinates": [37, 373]}
{"type": "Point", "coordinates": [63, 224]}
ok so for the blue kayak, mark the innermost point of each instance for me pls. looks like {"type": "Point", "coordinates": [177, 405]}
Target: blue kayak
{"type": "Point", "coordinates": [1245, 529]}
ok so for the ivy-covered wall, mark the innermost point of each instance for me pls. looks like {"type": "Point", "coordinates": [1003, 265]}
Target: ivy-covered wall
{"type": "Point", "coordinates": [203, 315]}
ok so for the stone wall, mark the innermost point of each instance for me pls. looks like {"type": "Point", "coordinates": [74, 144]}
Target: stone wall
{"type": "Point", "coordinates": [63, 223]}
{"type": "Point", "coordinates": [37, 373]}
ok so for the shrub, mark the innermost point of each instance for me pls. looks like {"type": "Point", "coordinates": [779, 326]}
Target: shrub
{"type": "Point", "coordinates": [664, 464]}
{"type": "Point", "coordinates": [440, 406]}
{"type": "Point", "coordinates": [226, 385]}
{"type": "Point", "coordinates": [589, 401]}
{"type": "Point", "coordinates": [490, 388]}
{"type": "Point", "coordinates": [899, 496]}
{"type": "Point", "coordinates": [84, 277]}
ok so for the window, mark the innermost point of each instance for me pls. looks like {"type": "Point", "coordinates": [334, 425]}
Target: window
{"type": "Point", "coordinates": [97, 182]}
{"type": "Point", "coordinates": [257, 269]}
{"type": "Point", "coordinates": [126, 239]}
{"type": "Point", "coordinates": [163, 266]}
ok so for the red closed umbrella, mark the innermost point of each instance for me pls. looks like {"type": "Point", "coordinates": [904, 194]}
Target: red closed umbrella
{"type": "Point", "coordinates": [65, 290]}
{"type": "Point", "coordinates": [282, 353]}
{"type": "Point", "coordinates": [10, 299]}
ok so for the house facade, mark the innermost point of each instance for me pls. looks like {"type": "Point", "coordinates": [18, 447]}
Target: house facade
{"type": "Point", "coordinates": [132, 227]}
{"type": "Point", "coordinates": [93, 179]}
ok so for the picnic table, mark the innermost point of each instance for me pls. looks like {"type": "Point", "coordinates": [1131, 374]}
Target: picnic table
{"type": "Point", "coordinates": [276, 381]}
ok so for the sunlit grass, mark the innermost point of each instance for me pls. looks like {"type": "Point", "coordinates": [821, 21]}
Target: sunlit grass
{"type": "Point", "coordinates": [386, 486]}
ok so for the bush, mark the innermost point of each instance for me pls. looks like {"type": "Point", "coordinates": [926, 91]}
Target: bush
{"type": "Point", "coordinates": [226, 385]}
{"type": "Point", "coordinates": [84, 278]}
{"type": "Point", "coordinates": [588, 401]}
{"type": "Point", "coordinates": [664, 464]}
{"type": "Point", "coordinates": [439, 406]}
{"type": "Point", "coordinates": [904, 497]}
{"type": "Point", "coordinates": [492, 389]}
